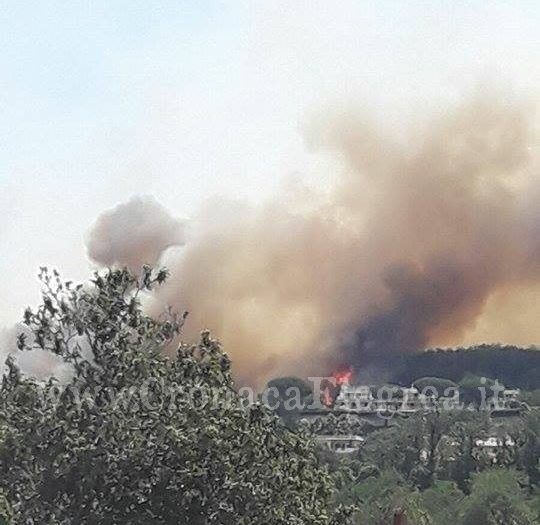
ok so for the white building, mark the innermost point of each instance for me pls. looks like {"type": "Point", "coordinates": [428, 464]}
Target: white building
{"type": "Point", "coordinates": [357, 398]}
{"type": "Point", "coordinates": [361, 399]}
{"type": "Point", "coordinates": [346, 444]}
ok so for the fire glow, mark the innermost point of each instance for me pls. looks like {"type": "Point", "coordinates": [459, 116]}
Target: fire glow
{"type": "Point", "coordinates": [332, 389]}
{"type": "Point", "coordinates": [343, 376]}
{"type": "Point", "coordinates": [453, 219]}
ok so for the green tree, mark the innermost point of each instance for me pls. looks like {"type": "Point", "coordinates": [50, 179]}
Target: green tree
{"type": "Point", "coordinates": [497, 498]}
{"type": "Point", "coordinates": [475, 390]}
{"type": "Point", "coordinates": [529, 452]}
{"type": "Point", "coordinates": [287, 396]}
{"type": "Point", "coordinates": [377, 497]}
{"type": "Point", "coordinates": [441, 503]}
{"type": "Point", "coordinates": [381, 494]}
{"type": "Point", "coordinates": [440, 384]}
{"type": "Point", "coordinates": [457, 456]}
{"type": "Point", "coordinates": [137, 437]}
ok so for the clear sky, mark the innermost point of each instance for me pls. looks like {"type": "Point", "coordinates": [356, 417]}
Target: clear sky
{"type": "Point", "coordinates": [100, 100]}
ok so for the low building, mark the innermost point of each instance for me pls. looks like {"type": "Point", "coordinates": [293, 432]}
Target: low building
{"type": "Point", "coordinates": [388, 400]}
{"type": "Point", "coordinates": [346, 444]}
{"type": "Point", "coordinates": [357, 398]}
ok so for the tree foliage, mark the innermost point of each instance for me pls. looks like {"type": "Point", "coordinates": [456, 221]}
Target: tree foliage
{"type": "Point", "coordinates": [287, 396]}
{"type": "Point", "coordinates": [432, 467]}
{"type": "Point", "coordinates": [136, 437]}
{"type": "Point", "coordinates": [497, 499]}
{"type": "Point", "coordinates": [439, 384]}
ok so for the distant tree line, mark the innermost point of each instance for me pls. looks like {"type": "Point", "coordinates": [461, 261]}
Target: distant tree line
{"type": "Point", "coordinates": [513, 366]}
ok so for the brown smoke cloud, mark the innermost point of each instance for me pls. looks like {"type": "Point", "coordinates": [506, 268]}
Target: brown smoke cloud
{"type": "Point", "coordinates": [404, 250]}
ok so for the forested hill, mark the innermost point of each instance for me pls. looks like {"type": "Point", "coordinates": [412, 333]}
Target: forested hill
{"type": "Point", "coordinates": [513, 366]}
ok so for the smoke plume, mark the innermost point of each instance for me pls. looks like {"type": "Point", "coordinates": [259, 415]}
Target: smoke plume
{"type": "Point", "coordinates": [134, 233]}
{"type": "Point", "coordinates": [405, 248]}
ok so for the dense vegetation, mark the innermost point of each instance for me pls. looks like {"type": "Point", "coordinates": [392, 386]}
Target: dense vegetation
{"type": "Point", "coordinates": [431, 467]}
{"type": "Point", "coordinates": [123, 442]}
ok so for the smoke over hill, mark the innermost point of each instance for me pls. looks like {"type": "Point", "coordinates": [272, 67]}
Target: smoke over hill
{"type": "Point", "coordinates": [402, 251]}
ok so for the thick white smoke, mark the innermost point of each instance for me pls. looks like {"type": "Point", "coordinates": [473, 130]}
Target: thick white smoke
{"type": "Point", "coordinates": [134, 233]}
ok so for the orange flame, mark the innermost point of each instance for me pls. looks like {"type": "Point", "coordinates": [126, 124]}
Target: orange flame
{"type": "Point", "coordinates": [343, 377]}
{"type": "Point", "coordinates": [331, 390]}
{"type": "Point", "coordinates": [327, 397]}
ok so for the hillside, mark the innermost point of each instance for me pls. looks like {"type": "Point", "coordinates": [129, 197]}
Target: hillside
{"type": "Point", "coordinates": [513, 366]}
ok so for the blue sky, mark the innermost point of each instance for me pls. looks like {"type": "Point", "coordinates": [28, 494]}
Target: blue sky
{"type": "Point", "coordinates": [185, 99]}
